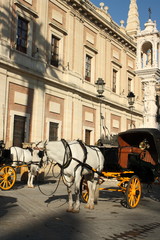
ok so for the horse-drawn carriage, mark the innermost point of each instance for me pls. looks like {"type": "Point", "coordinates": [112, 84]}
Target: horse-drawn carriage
{"type": "Point", "coordinates": [7, 172]}
{"type": "Point", "coordinates": [136, 160]}
{"type": "Point", "coordinates": [14, 158]}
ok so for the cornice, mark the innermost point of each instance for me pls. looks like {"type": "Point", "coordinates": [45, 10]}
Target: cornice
{"type": "Point", "coordinates": [27, 9]}
{"type": "Point", "coordinates": [147, 73]}
{"type": "Point", "coordinates": [131, 72]}
{"type": "Point", "coordinates": [88, 11]}
{"type": "Point", "coordinates": [116, 63]}
{"type": "Point", "coordinates": [59, 28]}
{"type": "Point", "coordinates": [91, 48]}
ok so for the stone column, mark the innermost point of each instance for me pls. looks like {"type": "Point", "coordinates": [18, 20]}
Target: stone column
{"type": "Point", "coordinates": [150, 108]}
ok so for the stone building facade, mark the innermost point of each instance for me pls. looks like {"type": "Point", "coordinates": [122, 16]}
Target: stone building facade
{"type": "Point", "coordinates": [51, 54]}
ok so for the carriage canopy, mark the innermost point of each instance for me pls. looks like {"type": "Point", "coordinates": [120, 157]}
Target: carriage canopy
{"type": "Point", "coordinates": [134, 137]}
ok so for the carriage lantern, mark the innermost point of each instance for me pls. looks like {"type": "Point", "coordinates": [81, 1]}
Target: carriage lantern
{"type": "Point", "coordinates": [131, 100]}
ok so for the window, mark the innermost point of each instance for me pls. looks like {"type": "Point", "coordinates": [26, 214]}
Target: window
{"type": "Point", "coordinates": [88, 68]}
{"type": "Point", "coordinates": [129, 85]}
{"type": "Point", "coordinates": [22, 34]}
{"type": "Point", "coordinates": [19, 130]}
{"type": "Point", "coordinates": [114, 81]}
{"type": "Point", "coordinates": [53, 131]}
{"type": "Point", "coordinates": [87, 136]}
{"type": "Point", "coordinates": [54, 51]}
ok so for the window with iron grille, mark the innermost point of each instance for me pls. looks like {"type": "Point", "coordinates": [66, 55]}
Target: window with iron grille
{"type": "Point", "coordinates": [88, 68]}
{"type": "Point", "coordinates": [53, 131]}
{"type": "Point", "coordinates": [54, 51]}
{"type": "Point", "coordinates": [114, 80]}
{"type": "Point", "coordinates": [22, 35]}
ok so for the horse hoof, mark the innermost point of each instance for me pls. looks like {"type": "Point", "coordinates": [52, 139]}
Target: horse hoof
{"type": "Point", "coordinates": [86, 206]}
{"type": "Point", "coordinates": [69, 210]}
{"type": "Point", "coordinates": [89, 207]}
{"type": "Point", "coordinates": [75, 211]}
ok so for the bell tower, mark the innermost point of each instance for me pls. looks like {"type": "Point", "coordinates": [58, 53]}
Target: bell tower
{"type": "Point", "coordinates": [133, 24]}
{"type": "Point", "coordinates": [148, 69]}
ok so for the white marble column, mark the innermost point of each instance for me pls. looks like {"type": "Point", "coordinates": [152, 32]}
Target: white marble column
{"type": "Point", "coordinates": [150, 108]}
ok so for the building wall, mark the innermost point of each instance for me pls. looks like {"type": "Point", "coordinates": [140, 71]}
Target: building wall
{"type": "Point", "coordinates": [32, 87]}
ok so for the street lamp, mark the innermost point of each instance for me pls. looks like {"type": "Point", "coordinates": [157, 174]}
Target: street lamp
{"type": "Point", "coordinates": [131, 100]}
{"type": "Point", "coordinates": [100, 86]}
{"type": "Point", "coordinates": [100, 90]}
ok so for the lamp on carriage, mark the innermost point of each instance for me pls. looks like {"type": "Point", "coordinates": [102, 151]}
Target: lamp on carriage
{"type": "Point", "coordinates": [131, 100]}
{"type": "Point", "coordinates": [100, 90]}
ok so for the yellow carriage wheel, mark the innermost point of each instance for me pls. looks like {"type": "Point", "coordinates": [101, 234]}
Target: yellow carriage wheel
{"type": "Point", "coordinates": [7, 177]}
{"type": "Point", "coordinates": [84, 191]}
{"type": "Point", "coordinates": [133, 192]}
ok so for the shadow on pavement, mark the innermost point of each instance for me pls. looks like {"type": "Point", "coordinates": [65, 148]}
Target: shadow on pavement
{"type": "Point", "coordinates": [6, 203]}
{"type": "Point", "coordinates": [63, 226]}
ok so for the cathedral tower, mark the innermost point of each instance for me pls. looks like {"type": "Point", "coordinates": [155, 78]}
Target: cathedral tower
{"type": "Point", "coordinates": [133, 25]}
{"type": "Point", "coordinates": [148, 68]}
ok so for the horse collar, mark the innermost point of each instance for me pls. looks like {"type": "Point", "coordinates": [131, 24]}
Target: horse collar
{"type": "Point", "coordinates": [67, 154]}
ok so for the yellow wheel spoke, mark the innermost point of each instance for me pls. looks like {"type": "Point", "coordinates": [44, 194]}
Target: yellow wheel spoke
{"type": "Point", "coordinates": [7, 177]}
{"type": "Point", "coordinates": [133, 192]}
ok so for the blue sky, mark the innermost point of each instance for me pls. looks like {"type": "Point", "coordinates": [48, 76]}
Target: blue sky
{"type": "Point", "coordinates": [118, 9]}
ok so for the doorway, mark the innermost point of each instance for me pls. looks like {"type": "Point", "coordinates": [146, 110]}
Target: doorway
{"type": "Point", "coordinates": [87, 136]}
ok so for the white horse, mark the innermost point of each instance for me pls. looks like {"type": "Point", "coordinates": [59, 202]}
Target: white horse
{"type": "Point", "coordinates": [29, 157]}
{"type": "Point", "coordinates": [73, 158]}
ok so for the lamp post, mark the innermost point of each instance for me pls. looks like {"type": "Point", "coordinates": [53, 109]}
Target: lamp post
{"type": "Point", "coordinates": [131, 100]}
{"type": "Point", "coordinates": [100, 90]}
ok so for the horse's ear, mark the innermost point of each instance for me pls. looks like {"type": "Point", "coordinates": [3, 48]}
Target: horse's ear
{"type": "Point", "coordinates": [33, 145]}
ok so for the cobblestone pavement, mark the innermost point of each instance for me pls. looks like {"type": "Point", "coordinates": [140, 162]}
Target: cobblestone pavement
{"type": "Point", "coordinates": [28, 214]}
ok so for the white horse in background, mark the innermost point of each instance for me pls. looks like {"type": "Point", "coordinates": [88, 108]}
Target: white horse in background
{"type": "Point", "coordinates": [72, 157]}
{"type": "Point", "coordinates": [29, 157]}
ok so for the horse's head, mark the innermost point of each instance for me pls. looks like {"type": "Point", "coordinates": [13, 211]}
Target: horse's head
{"type": "Point", "coordinates": [39, 151]}
{"type": "Point", "coordinates": [39, 145]}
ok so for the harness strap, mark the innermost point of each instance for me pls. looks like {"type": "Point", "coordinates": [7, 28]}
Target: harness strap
{"type": "Point", "coordinates": [67, 154]}
{"type": "Point", "coordinates": [85, 155]}
{"type": "Point", "coordinates": [84, 150]}
{"type": "Point", "coordinates": [85, 165]}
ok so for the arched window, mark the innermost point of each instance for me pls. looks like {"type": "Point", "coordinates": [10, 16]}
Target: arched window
{"type": "Point", "coordinates": [147, 55]}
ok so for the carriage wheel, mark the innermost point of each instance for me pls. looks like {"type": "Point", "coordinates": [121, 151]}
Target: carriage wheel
{"type": "Point", "coordinates": [84, 191]}
{"type": "Point", "coordinates": [133, 192]}
{"type": "Point", "coordinates": [7, 177]}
